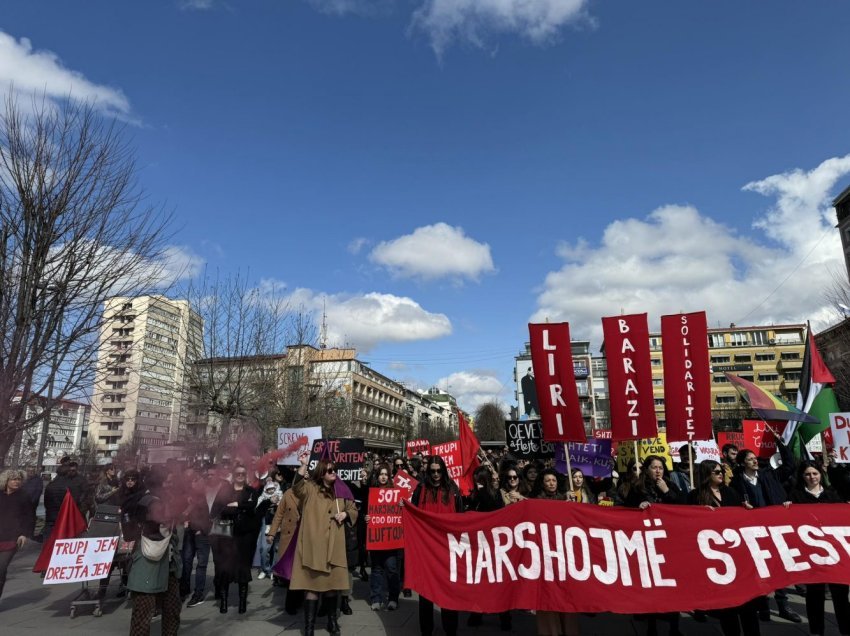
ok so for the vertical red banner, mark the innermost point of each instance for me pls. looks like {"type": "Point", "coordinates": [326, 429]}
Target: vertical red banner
{"type": "Point", "coordinates": [555, 382]}
{"type": "Point", "coordinates": [629, 377]}
{"type": "Point", "coordinates": [687, 377]}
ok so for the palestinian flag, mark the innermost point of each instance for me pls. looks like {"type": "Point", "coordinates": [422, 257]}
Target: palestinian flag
{"type": "Point", "coordinates": [814, 397]}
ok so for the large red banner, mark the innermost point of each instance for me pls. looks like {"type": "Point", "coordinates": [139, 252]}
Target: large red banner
{"type": "Point", "coordinates": [555, 382]}
{"type": "Point", "coordinates": [629, 377]}
{"type": "Point", "coordinates": [555, 556]}
{"type": "Point", "coordinates": [687, 376]}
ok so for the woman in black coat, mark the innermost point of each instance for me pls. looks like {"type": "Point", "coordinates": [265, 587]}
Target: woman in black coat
{"type": "Point", "coordinates": [239, 505]}
{"type": "Point", "coordinates": [711, 491]}
{"type": "Point", "coordinates": [809, 489]}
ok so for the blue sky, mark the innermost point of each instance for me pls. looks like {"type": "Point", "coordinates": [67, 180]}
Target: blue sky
{"type": "Point", "coordinates": [441, 171]}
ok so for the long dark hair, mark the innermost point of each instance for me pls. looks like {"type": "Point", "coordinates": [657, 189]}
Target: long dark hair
{"type": "Point", "coordinates": [645, 483]}
{"type": "Point", "coordinates": [446, 486]}
{"type": "Point", "coordinates": [483, 492]}
{"type": "Point", "coordinates": [376, 470]}
{"type": "Point", "coordinates": [706, 473]}
{"type": "Point", "coordinates": [800, 483]}
{"type": "Point", "coordinates": [504, 484]}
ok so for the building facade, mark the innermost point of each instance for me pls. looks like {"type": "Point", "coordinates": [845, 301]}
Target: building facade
{"type": "Point", "coordinates": [67, 429]}
{"type": "Point", "coordinates": [138, 396]}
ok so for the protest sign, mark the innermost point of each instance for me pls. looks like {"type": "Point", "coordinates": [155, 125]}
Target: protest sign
{"type": "Point", "coordinates": [687, 376]}
{"type": "Point", "coordinates": [77, 560]}
{"type": "Point", "coordinates": [405, 483]}
{"type": "Point", "coordinates": [452, 455]}
{"type": "Point", "coordinates": [730, 437]}
{"type": "Point", "coordinates": [384, 530]}
{"type": "Point", "coordinates": [287, 436]}
{"type": "Point", "coordinates": [759, 438]}
{"type": "Point", "coordinates": [525, 440]}
{"type": "Point", "coordinates": [418, 446]}
{"type": "Point", "coordinates": [551, 556]}
{"type": "Point", "coordinates": [602, 433]}
{"type": "Point", "coordinates": [347, 454]}
{"type": "Point", "coordinates": [703, 450]}
{"type": "Point", "coordinates": [839, 424]}
{"type": "Point", "coordinates": [653, 446]}
{"type": "Point", "coordinates": [593, 458]}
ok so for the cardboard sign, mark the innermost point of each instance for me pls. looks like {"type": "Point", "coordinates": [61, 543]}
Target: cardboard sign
{"type": "Point", "coordinates": [593, 458]}
{"type": "Point", "coordinates": [347, 454]}
{"type": "Point", "coordinates": [405, 483]}
{"type": "Point", "coordinates": [839, 424]}
{"type": "Point", "coordinates": [287, 436]}
{"type": "Point", "coordinates": [418, 446]}
{"type": "Point", "coordinates": [759, 438]}
{"type": "Point", "coordinates": [652, 446]}
{"type": "Point", "coordinates": [77, 560]}
{"type": "Point", "coordinates": [384, 532]}
{"type": "Point", "coordinates": [702, 451]}
{"type": "Point", "coordinates": [525, 440]}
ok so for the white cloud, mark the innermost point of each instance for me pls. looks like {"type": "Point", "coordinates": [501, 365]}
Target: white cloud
{"type": "Point", "coordinates": [434, 251]}
{"type": "Point", "coordinates": [364, 320]}
{"type": "Point", "coordinates": [356, 245]}
{"type": "Point", "coordinates": [678, 259]}
{"type": "Point", "coordinates": [346, 7]}
{"type": "Point", "coordinates": [477, 22]}
{"type": "Point", "coordinates": [32, 74]}
{"type": "Point", "coordinates": [471, 389]}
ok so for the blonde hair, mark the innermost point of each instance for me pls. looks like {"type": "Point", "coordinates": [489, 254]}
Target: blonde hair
{"type": "Point", "coordinates": [6, 475]}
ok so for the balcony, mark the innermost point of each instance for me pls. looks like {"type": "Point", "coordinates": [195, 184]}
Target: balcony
{"type": "Point", "coordinates": [789, 365]}
{"type": "Point", "coordinates": [788, 384]}
{"type": "Point", "coordinates": [383, 404]}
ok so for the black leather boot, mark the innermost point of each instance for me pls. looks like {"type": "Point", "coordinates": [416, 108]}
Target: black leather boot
{"type": "Point", "coordinates": [243, 597]}
{"type": "Point", "coordinates": [344, 606]}
{"type": "Point", "coordinates": [333, 622]}
{"type": "Point", "coordinates": [311, 606]}
{"type": "Point", "coordinates": [224, 589]}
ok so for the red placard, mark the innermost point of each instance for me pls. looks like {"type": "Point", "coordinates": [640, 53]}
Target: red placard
{"type": "Point", "coordinates": [629, 377]}
{"type": "Point", "coordinates": [730, 437]}
{"type": "Point", "coordinates": [405, 483]}
{"type": "Point", "coordinates": [547, 555]}
{"type": "Point", "coordinates": [687, 377]}
{"type": "Point", "coordinates": [452, 455]}
{"type": "Point", "coordinates": [555, 382]}
{"type": "Point", "coordinates": [384, 530]}
{"type": "Point", "coordinates": [759, 437]}
{"type": "Point", "coordinates": [418, 446]}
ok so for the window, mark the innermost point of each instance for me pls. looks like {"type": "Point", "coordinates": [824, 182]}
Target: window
{"type": "Point", "coordinates": [659, 401]}
{"type": "Point", "coordinates": [768, 377]}
{"type": "Point", "coordinates": [716, 340]}
{"type": "Point", "coordinates": [738, 339]}
{"type": "Point", "coordinates": [765, 357]}
{"type": "Point", "coordinates": [720, 379]}
{"type": "Point", "coordinates": [743, 357]}
{"type": "Point", "coordinates": [790, 355]}
{"type": "Point", "coordinates": [656, 362]}
{"type": "Point", "coordinates": [657, 382]}
{"type": "Point", "coordinates": [760, 337]}
{"type": "Point", "coordinates": [719, 359]}
{"type": "Point", "coordinates": [793, 376]}
{"type": "Point", "coordinates": [726, 399]}
{"type": "Point", "coordinates": [746, 376]}
{"type": "Point", "coordinates": [655, 343]}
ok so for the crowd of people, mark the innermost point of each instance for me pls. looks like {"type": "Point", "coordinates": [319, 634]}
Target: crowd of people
{"type": "Point", "coordinates": [305, 530]}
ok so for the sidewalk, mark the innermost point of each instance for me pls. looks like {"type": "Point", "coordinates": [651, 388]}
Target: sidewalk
{"type": "Point", "coordinates": [27, 607]}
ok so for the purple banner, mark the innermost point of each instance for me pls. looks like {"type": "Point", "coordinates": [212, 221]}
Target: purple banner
{"type": "Point", "coordinates": [593, 458]}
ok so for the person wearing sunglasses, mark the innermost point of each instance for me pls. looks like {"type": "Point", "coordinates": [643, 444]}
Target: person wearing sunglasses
{"type": "Point", "coordinates": [438, 493]}
{"type": "Point", "coordinates": [509, 479]}
{"type": "Point", "coordinates": [239, 504]}
{"type": "Point", "coordinates": [712, 492]}
{"type": "Point", "coordinates": [320, 565]}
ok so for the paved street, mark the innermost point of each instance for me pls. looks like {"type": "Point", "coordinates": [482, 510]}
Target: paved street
{"type": "Point", "coordinates": [30, 608]}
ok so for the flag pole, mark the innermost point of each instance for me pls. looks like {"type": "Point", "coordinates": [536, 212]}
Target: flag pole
{"type": "Point", "coordinates": [691, 463]}
{"type": "Point", "coordinates": [637, 456]}
{"type": "Point", "coordinates": [569, 467]}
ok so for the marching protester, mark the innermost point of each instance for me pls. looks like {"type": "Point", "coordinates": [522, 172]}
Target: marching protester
{"type": "Point", "coordinates": [156, 564]}
{"type": "Point", "coordinates": [760, 487]}
{"type": "Point", "coordinates": [320, 565]}
{"type": "Point", "coordinates": [809, 489]}
{"type": "Point", "coordinates": [439, 494]}
{"type": "Point", "coordinates": [108, 487]}
{"type": "Point", "coordinates": [196, 541]}
{"type": "Point", "coordinates": [486, 497]}
{"type": "Point", "coordinates": [283, 531]}
{"type": "Point", "coordinates": [509, 483]}
{"type": "Point", "coordinates": [529, 485]}
{"type": "Point", "coordinates": [728, 453]}
{"type": "Point", "coordinates": [16, 521]}
{"type": "Point", "coordinates": [385, 582]}
{"type": "Point", "coordinates": [628, 480]}
{"type": "Point", "coordinates": [681, 473]}
{"type": "Point", "coordinates": [653, 486]}
{"type": "Point", "coordinates": [550, 487]}
{"type": "Point", "coordinates": [712, 492]}
{"type": "Point", "coordinates": [262, 556]}
{"type": "Point", "coordinates": [581, 492]}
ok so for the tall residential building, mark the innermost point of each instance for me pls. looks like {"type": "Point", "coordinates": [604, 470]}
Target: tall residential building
{"type": "Point", "coordinates": [66, 431]}
{"type": "Point", "coordinates": [842, 211]}
{"type": "Point", "coordinates": [769, 356]}
{"type": "Point", "coordinates": [145, 343]}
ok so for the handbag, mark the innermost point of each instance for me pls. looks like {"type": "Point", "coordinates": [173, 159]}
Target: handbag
{"type": "Point", "coordinates": [221, 528]}
{"type": "Point", "coordinates": [153, 549]}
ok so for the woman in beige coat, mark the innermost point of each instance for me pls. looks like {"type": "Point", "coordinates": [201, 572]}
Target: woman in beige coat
{"type": "Point", "coordinates": [320, 561]}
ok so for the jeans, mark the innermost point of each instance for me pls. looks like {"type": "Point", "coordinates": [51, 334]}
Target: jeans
{"type": "Point", "coordinates": [264, 552]}
{"type": "Point", "coordinates": [195, 545]}
{"type": "Point", "coordinates": [384, 580]}
{"type": "Point", "coordinates": [5, 560]}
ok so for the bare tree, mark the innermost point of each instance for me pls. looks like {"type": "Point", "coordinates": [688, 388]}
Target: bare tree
{"type": "Point", "coordinates": [74, 231]}
{"type": "Point", "coordinates": [490, 422]}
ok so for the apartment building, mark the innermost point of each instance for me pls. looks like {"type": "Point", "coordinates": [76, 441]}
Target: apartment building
{"type": "Point", "coordinates": [769, 356]}
{"type": "Point", "coordinates": [145, 343]}
{"type": "Point", "coordinates": [67, 427]}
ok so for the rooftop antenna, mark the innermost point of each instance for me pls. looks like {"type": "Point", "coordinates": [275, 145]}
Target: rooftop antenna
{"type": "Point", "coordinates": [323, 333]}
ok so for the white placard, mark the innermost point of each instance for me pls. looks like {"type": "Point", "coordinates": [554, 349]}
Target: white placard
{"type": "Point", "coordinates": [703, 450]}
{"type": "Point", "coordinates": [76, 560]}
{"type": "Point", "coordinates": [840, 425]}
{"type": "Point", "coordinates": [286, 436]}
